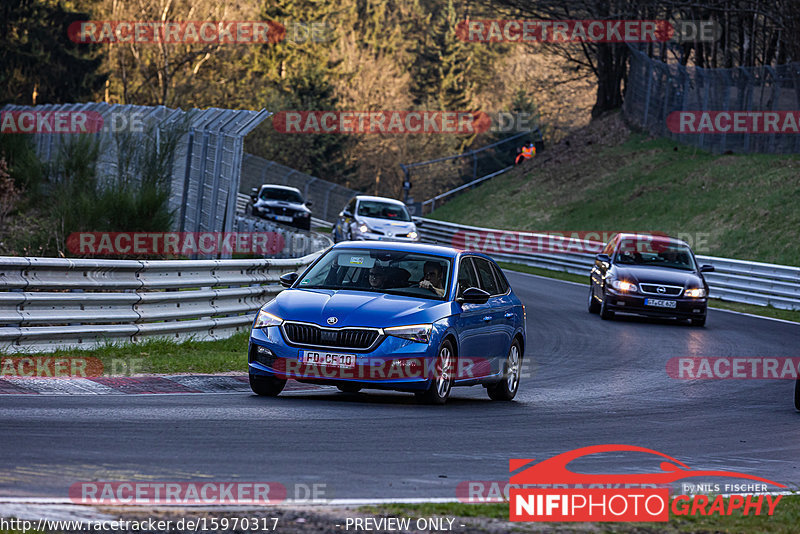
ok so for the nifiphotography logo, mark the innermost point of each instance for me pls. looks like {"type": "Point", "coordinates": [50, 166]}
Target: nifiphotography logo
{"type": "Point", "coordinates": [548, 491]}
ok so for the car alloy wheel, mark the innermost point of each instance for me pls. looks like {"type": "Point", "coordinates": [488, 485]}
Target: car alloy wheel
{"type": "Point", "coordinates": [507, 388]}
{"type": "Point", "coordinates": [442, 383]}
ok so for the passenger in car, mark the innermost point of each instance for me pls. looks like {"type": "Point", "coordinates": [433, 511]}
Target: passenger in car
{"type": "Point", "coordinates": [432, 279]}
{"type": "Point", "coordinates": [378, 277]}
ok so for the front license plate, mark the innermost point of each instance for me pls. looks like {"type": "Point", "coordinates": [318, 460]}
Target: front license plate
{"type": "Point", "coordinates": [283, 218]}
{"type": "Point", "coordinates": [660, 303]}
{"type": "Point", "coordinates": [329, 358]}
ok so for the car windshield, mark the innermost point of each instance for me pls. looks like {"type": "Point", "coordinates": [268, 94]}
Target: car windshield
{"type": "Point", "coordinates": [383, 210]}
{"type": "Point", "coordinates": [381, 271]}
{"type": "Point", "coordinates": [286, 195]}
{"type": "Point", "coordinates": [655, 253]}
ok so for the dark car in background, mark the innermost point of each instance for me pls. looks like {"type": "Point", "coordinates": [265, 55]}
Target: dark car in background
{"type": "Point", "coordinates": [649, 275]}
{"type": "Point", "coordinates": [281, 204]}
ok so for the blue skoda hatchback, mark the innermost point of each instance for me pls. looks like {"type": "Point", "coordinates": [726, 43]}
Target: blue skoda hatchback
{"type": "Point", "coordinates": [388, 315]}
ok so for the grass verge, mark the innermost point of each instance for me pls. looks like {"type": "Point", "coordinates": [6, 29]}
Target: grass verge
{"type": "Point", "coordinates": [735, 206]}
{"type": "Point", "coordinates": [763, 311]}
{"type": "Point", "coordinates": [161, 356]}
{"type": "Point", "coordinates": [785, 520]}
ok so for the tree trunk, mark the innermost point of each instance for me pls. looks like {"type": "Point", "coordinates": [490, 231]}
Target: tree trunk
{"type": "Point", "coordinates": [611, 64]}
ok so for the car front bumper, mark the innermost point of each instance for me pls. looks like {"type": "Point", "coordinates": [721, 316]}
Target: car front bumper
{"type": "Point", "coordinates": [635, 303]}
{"type": "Point", "coordinates": [394, 363]}
{"type": "Point", "coordinates": [369, 236]}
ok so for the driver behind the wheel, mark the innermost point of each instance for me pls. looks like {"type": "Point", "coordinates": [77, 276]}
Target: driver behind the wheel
{"type": "Point", "coordinates": [432, 279]}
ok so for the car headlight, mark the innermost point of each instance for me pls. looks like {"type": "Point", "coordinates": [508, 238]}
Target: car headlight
{"type": "Point", "coordinates": [412, 235]}
{"type": "Point", "coordinates": [420, 333]}
{"type": "Point", "coordinates": [695, 293]}
{"type": "Point", "coordinates": [265, 319]}
{"type": "Point", "coordinates": [363, 228]}
{"type": "Point", "coordinates": [624, 285]}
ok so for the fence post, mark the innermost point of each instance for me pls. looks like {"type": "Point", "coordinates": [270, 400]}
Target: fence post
{"type": "Point", "coordinates": [647, 92]}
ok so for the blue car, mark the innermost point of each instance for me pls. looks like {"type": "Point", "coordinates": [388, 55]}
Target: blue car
{"type": "Point", "coordinates": [389, 315]}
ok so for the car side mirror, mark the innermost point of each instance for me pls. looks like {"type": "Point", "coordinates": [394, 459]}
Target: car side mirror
{"type": "Point", "coordinates": [707, 269]}
{"type": "Point", "coordinates": [309, 202]}
{"type": "Point", "coordinates": [288, 279]}
{"type": "Point", "coordinates": [605, 258]}
{"type": "Point", "coordinates": [254, 194]}
{"type": "Point", "coordinates": [419, 223]}
{"type": "Point", "coordinates": [474, 295]}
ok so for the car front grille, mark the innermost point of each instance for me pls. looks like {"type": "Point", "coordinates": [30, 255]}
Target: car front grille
{"type": "Point", "coordinates": [315, 336]}
{"type": "Point", "coordinates": [660, 289]}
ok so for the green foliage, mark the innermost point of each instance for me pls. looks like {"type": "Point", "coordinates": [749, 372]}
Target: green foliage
{"type": "Point", "coordinates": [743, 204]}
{"type": "Point", "coordinates": [443, 64]}
{"type": "Point", "coordinates": [37, 56]}
{"type": "Point", "coordinates": [23, 164]}
{"type": "Point", "coordinates": [137, 199]}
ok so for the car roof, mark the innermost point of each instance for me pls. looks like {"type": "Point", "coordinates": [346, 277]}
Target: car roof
{"type": "Point", "coordinates": [285, 187]}
{"type": "Point", "coordinates": [652, 237]}
{"type": "Point", "coordinates": [380, 199]}
{"type": "Point", "coordinates": [401, 246]}
{"type": "Point", "coordinates": [423, 248]}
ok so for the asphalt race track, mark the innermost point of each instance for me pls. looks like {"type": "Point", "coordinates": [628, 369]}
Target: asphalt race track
{"type": "Point", "coordinates": [592, 382]}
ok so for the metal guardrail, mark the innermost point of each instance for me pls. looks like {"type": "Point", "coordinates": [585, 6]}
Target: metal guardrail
{"type": "Point", "coordinates": [431, 202]}
{"type": "Point", "coordinates": [296, 242]}
{"type": "Point", "coordinates": [749, 282]}
{"type": "Point", "coordinates": [50, 303]}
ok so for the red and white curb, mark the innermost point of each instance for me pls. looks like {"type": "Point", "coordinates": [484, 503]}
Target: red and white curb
{"type": "Point", "coordinates": [136, 385]}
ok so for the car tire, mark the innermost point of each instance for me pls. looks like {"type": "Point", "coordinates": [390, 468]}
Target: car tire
{"type": "Point", "coordinates": [797, 395]}
{"type": "Point", "coordinates": [348, 388]}
{"type": "Point", "coordinates": [701, 321]}
{"type": "Point", "coordinates": [439, 389]}
{"type": "Point", "coordinates": [266, 386]}
{"type": "Point", "coordinates": [594, 306]}
{"type": "Point", "coordinates": [507, 388]}
{"type": "Point", "coordinates": [605, 313]}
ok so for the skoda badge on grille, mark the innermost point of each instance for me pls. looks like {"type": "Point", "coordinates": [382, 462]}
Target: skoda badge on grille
{"type": "Point", "coordinates": [332, 320]}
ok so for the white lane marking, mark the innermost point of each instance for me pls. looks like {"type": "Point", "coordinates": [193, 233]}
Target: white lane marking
{"type": "Point", "coordinates": [548, 278]}
{"type": "Point", "coordinates": [756, 316]}
{"type": "Point", "coordinates": [710, 307]}
{"type": "Point", "coordinates": [291, 502]}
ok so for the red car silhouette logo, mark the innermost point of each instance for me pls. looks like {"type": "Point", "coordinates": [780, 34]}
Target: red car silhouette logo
{"type": "Point", "coordinates": [554, 470]}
